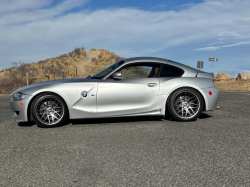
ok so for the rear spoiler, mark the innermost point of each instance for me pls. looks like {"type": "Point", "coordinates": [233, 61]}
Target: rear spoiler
{"type": "Point", "coordinates": [205, 75]}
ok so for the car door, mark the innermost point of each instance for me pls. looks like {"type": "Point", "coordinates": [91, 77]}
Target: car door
{"type": "Point", "coordinates": [136, 91]}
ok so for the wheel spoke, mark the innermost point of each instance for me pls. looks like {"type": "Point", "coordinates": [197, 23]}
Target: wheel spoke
{"type": "Point", "coordinates": [52, 118]}
{"type": "Point", "coordinates": [48, 118]}
{"type": "Point", "coordinates": [194, 107]}
{"type": "Point", "coordinates": [43, 115]}
{"type": "Point", "coordinates": [192, 110]}
{"type": "Point", "coordinates": [179, 111]}
{"type": "Point", "coordinates": [58, 114]}
{"type": "Point", "coordinates": [55, 116]}
{"type": "Point", "coordinates": [45, 118]}
{"type": "Point", "coordinates": [178, 107]}
{"type": "Point", "coordinates": [52, 103]}
{"type": "Point", "coordinates": [193, 103]}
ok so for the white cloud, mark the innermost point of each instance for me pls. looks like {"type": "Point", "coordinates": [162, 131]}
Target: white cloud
{"type": "Point", "coordinates": [235, 37]}
{"type": "Point", "coordinates": [208, 49]}
{"type": "Point", "coordinates": [186, 5]}
{"type": "Point", "coordinates": [46, 32]}
{"type": "Point", "coordinates": [216, 48]}
{"type": "Point", "coordinates": [215, 43]}
{"type": "Point", "coordinates": [17, 5]}
{"type": "Point", "coordinates": [33, 15]}
{"type": "Point", "coordinates": [237, 44]}
{"type": "Point", "coordinates": [229, 34]}
{"type": "Point", "coordinates": [225, 39]}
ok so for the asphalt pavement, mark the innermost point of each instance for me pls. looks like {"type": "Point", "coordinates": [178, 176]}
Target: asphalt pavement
{"type": "Point", "coordinates": [214, 150]}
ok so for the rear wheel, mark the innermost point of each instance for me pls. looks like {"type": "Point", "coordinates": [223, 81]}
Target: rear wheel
{"type": "Point", "coordinates": [185, 104]}
{"type": "Point", "coordinates": [49, 110]}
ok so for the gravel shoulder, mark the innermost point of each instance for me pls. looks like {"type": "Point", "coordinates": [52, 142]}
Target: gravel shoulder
{"type": "Point", "coordinates": [147, 151]}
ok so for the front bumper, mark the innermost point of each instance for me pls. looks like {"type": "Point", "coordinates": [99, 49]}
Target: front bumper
{"type": "Point", "coordinates": [20, 112]}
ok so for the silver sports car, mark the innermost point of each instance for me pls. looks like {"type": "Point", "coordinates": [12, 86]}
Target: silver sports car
{"type": "Point", "coordinates": [142, 86]}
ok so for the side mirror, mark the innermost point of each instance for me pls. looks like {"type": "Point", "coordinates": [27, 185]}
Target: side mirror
{"type": "Point", "coordinates": [117, 75]}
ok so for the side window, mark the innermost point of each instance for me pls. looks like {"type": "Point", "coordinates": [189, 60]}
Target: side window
{"type": "Point", "coordinates": [143, 70]}
{"type": "Point", "coordinates": [171, 71]}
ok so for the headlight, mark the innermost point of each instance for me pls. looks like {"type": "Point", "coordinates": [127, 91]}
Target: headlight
{"type": "Point", "coordinates": [18, 96]}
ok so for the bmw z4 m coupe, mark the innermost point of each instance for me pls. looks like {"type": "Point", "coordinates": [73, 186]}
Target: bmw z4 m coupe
{"type": "Point", "coordinates": [142, 86]}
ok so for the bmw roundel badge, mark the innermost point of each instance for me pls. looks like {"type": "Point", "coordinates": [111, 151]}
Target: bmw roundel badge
{"type": "Point", "coordinates": [84, 94]}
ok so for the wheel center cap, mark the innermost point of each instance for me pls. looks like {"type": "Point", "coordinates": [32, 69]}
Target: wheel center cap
{"type": "Point", "coordinates": [50, 110]}
{"type": "Point", "coordinates": [185, 105]}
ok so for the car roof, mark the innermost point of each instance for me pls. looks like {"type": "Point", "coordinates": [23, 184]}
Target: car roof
{"type": "Point", "coordinates": [145, 59]}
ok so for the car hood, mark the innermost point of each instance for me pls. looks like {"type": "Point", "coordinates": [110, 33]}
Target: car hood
{"type": "Point", "coordinates": [61, 81]}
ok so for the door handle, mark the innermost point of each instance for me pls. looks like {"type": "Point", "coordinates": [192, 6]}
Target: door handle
{"type": "Point", "coordinates": [152, 84]}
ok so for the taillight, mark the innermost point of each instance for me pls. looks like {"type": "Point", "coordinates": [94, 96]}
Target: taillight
{"type": "Point", "coordinates": [210, 93]}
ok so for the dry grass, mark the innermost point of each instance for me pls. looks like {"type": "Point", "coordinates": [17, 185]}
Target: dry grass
{"type": "Point", "coordinates": [233, 85]}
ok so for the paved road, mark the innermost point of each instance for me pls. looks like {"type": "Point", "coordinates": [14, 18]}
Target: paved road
{"type": "Point", "coordinates": [212, 151]}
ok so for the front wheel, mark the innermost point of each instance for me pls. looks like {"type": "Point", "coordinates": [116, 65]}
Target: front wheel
{"type": "Point", "coordinates": [185, 104]}
{"type": "Point", "coordinates": [49, 110]}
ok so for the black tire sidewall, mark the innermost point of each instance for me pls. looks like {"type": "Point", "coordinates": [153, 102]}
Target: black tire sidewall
{"type": "Point", "coordinates": [36, 101]}
{"type": "Point", "coordinates": [170, 107]}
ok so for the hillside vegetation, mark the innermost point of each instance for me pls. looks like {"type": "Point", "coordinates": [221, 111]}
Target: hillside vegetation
{"type": "Point", "coordinates": [78, 63]}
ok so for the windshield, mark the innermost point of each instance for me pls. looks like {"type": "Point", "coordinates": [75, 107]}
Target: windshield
{"type": "Point", "coordinates": [107, 70]}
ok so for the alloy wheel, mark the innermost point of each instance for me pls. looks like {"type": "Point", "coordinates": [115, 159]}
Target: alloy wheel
{"type": "Point", "coordinates": [49, 111]}
{"type": "Point", "coordinates": [186, 105]}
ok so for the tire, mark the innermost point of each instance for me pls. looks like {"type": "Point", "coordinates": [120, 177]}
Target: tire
{"type": "Point", "coordinates": [185, 104]}
{"type": "Point", "coordinates": [49, 110]}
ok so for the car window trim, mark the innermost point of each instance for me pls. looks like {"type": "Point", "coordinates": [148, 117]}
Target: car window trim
{"type": "Point", "coordinates": [127, 64]}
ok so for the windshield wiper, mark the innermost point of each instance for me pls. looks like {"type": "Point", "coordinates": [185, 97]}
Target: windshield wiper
{"type": "Point", "coordinates": [89, 77]}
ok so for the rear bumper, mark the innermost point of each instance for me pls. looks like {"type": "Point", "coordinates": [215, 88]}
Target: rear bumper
{"type": "Point", "coordinates": [20, 112]}
{"type": "Point", "coordinates": [210, 100]}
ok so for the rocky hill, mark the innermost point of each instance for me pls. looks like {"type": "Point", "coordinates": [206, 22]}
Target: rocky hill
{"type": "Point", "coordinates": [78, 63]}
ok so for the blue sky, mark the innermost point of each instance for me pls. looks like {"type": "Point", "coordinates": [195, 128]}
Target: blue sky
{"type": "Point", "coordinates": [181, 30]}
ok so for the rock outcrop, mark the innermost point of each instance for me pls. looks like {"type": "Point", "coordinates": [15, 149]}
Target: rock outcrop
{"type": "Point", "coordinates": [243, 76]}
{"type": "Point", "coordinates": [222, 76]}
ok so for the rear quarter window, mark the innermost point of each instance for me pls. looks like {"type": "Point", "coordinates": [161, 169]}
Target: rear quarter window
{"type": "Point", "coordinates": [171, 71]}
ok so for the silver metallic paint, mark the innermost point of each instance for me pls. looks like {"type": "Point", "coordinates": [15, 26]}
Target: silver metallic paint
{"type": "Point", "coordinates": [127, 97]}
